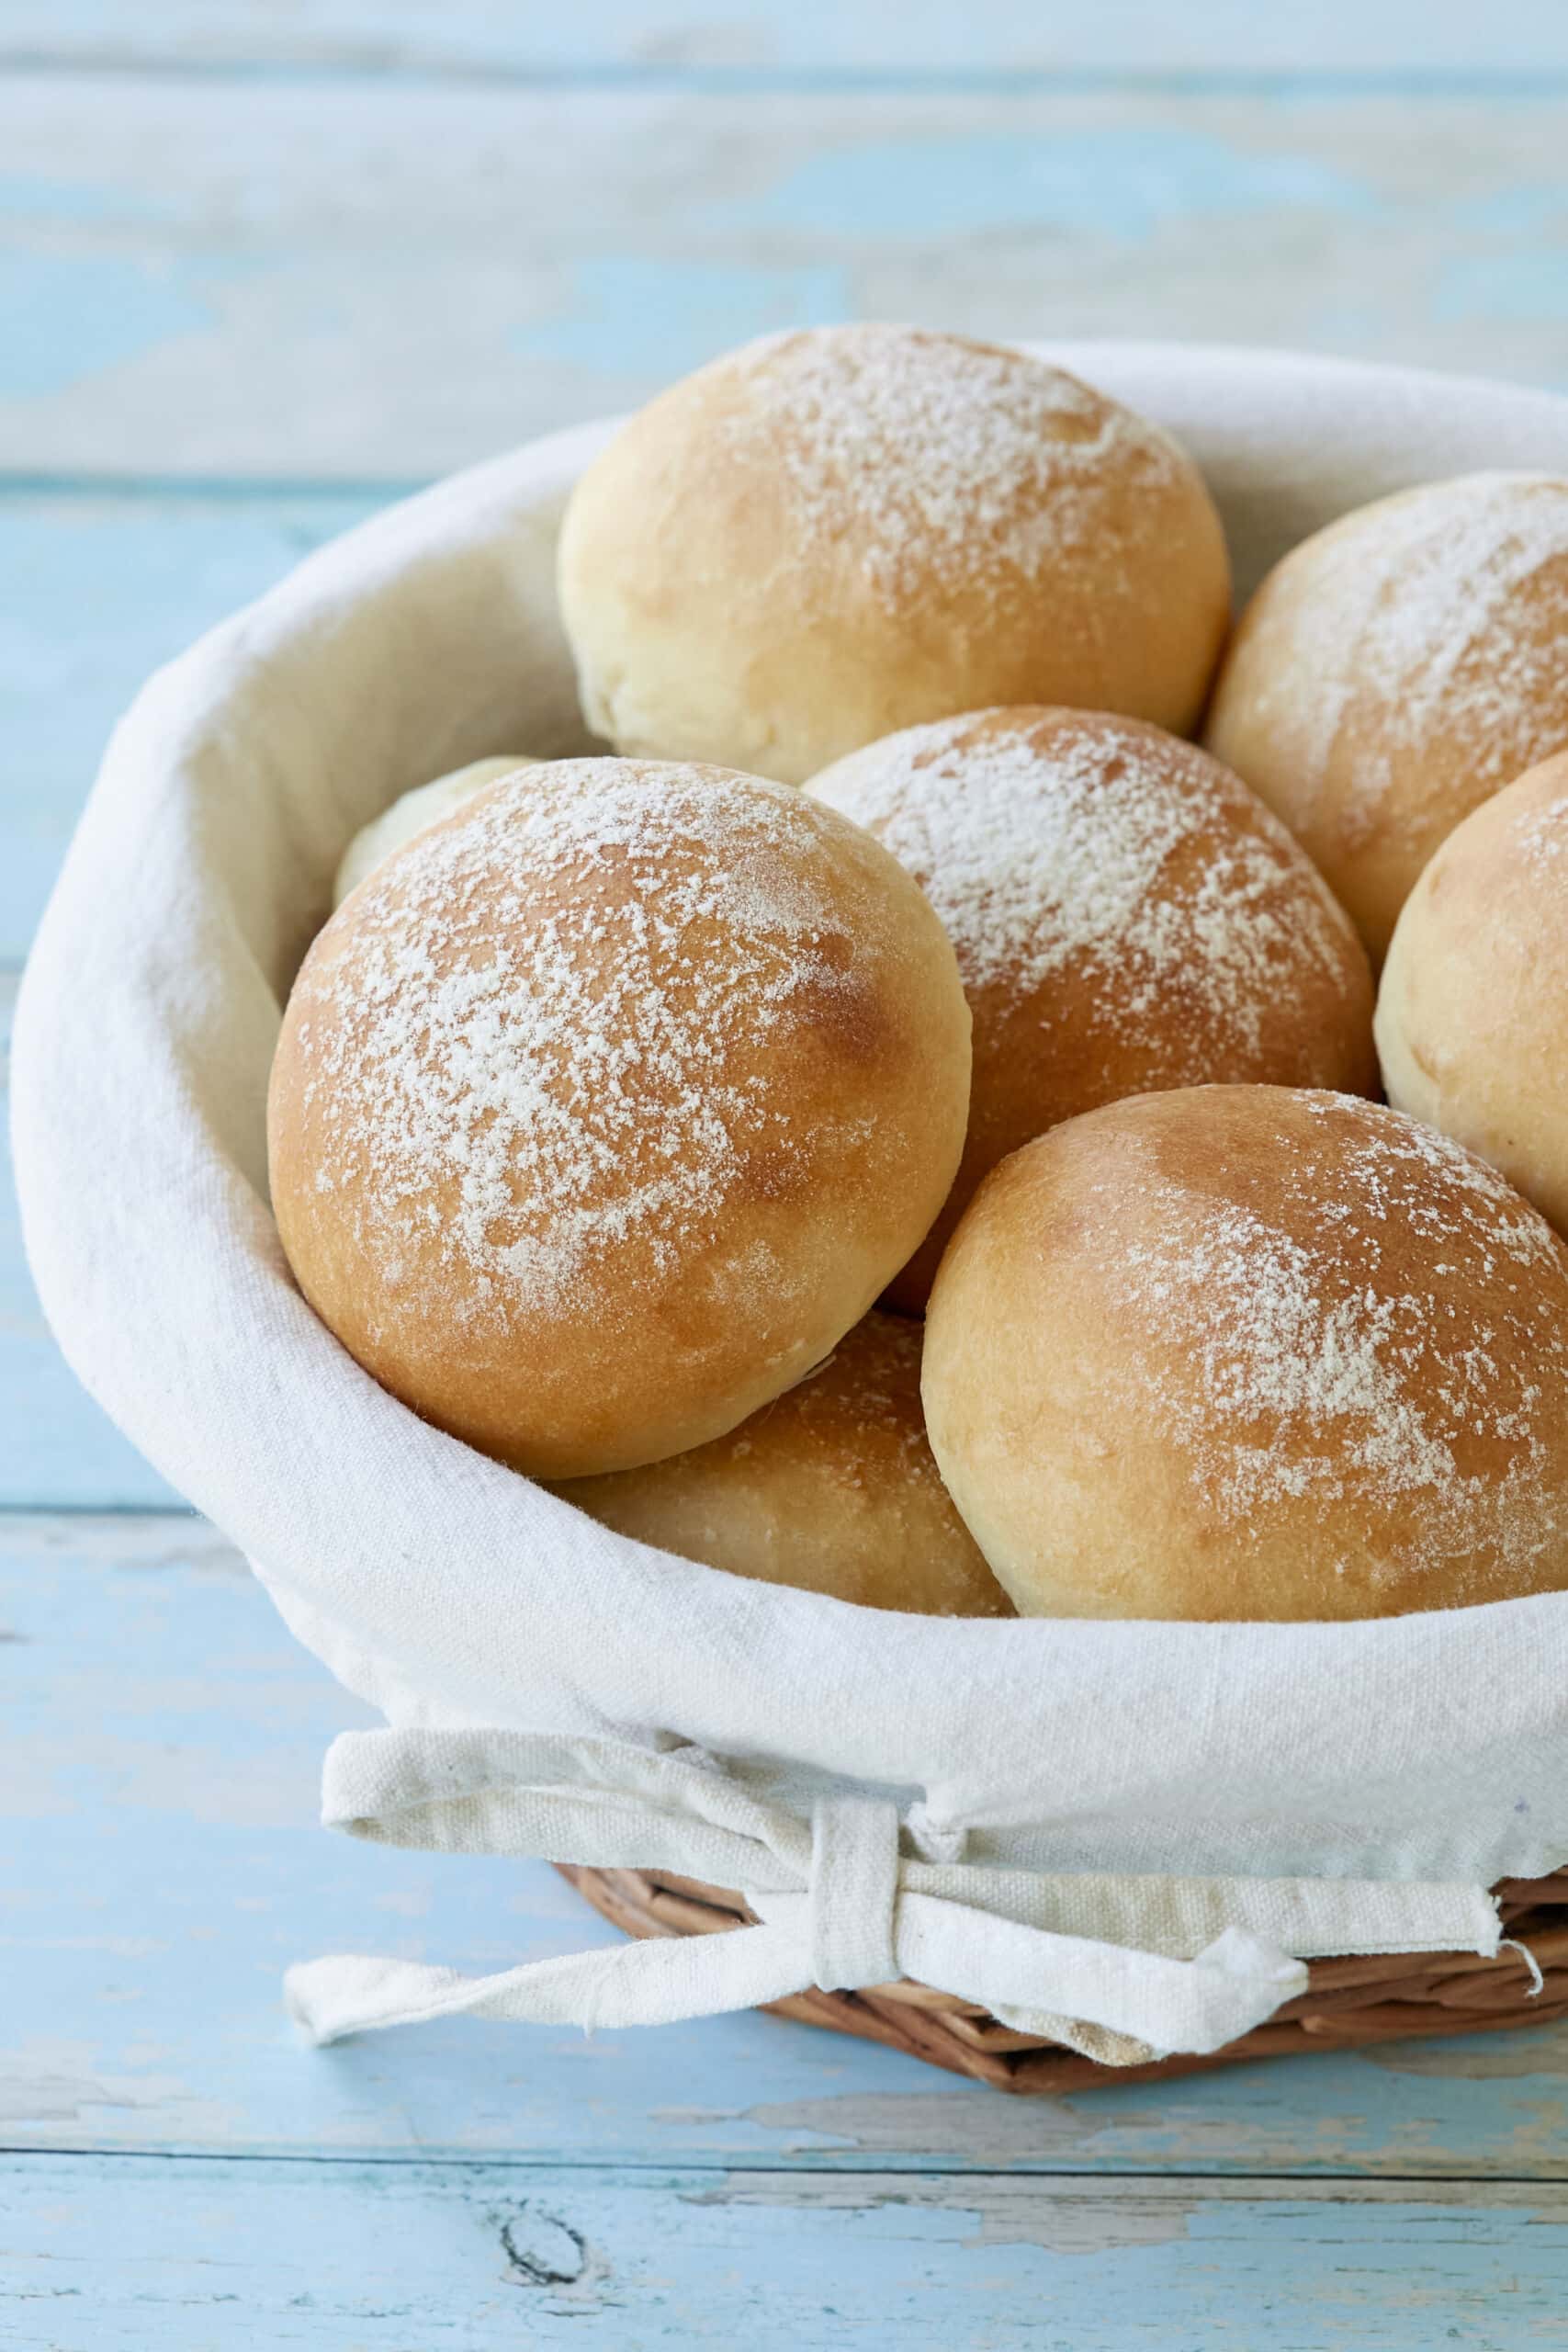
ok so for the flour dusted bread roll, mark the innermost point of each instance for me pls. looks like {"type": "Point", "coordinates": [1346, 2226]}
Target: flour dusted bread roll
{"type": "Point", "coordinates": [1253, 1353]}
{"type": "Point", "coordinates": [1126, 915]}
{"type": "Point", "coordinates": [1396, 670]}
{"type": "Point", "coordinates": [412, 814]}
{"type": "Point", "coordinates": [831, 1488]}
{"type": "Point", "coordinates": [830, 535]}
{"type": "Point", "coordinates": [1473, 1013]}
{"type": "Point", "coordinates": [603, 1110]}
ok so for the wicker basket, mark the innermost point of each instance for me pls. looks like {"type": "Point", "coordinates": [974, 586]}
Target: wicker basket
{"type": "Point", "coordinates": [1348, 2004]}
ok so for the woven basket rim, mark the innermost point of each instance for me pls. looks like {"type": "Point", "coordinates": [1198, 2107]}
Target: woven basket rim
{"type": "Point", "coordinates": [1349, 2002]}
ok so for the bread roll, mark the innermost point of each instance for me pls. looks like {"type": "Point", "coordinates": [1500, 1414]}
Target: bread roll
{"type": "Point", "coordinates": [1126, 915]}
{"type": "Point", "coordinates": [1247, 1351]}
{"type": "Point", "coordinates": [1396, 670]}
{"type": "Point", "coordinates": [831, 1488]}
{"type": "Point", "coordinates": [604, 1109]}
{"type": "Point", "coordinates": [1473, 1013]}
{"type": "Point", "coordinates": [830, 535]}
{"type": "Point", "coordinates": [424, 805]}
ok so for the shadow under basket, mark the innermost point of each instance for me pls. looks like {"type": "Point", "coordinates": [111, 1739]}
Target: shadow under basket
{"type": "Point", "coordinates": [1349, 2003]}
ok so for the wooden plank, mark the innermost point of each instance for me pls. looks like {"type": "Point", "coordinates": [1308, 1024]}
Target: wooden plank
{"type": "Point", "coordinates": [58, 1447]}
{"type": "Point", "coordinates": [382, 280]}
{"type": "Point", "coordinates": [108, 2254]}
{"type": "Point", "coordinates": [160, 1865]}
{"type": "Point", "coordinates": [104, 589]}
{"type": "Point", "coordinates": [818, 37]}
{"type": "Point", "coordinates": [113, 587]}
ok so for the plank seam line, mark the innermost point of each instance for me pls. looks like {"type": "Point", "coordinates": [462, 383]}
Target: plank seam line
{"type": "Point", "coordinates": [186, 1515]}
{"type": "Point", "coordinates": [1438, 84]}
{"type": "Point", "coordinates": [921, 2169]}
{"type": "Point", "coordinates": [237, 488]}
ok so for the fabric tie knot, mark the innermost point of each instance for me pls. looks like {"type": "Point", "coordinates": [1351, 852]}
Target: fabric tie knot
{"type": "Point", "coordinates": [838, 1904]}
{"type": "Point", "coordinates": [854, 1891]}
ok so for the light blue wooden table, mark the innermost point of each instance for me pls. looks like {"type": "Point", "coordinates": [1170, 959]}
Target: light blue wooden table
{"type": "Point", "coordinates": [261, 267]}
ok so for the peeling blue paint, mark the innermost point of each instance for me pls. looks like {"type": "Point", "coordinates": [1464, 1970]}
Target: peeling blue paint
{"type": "Point", "coordinates": [1516, 286]}
{"type": "Point", "coordinates": [1215, 41]}
{"type": "Point", "coordinates": [64, 319]}
{"type": "Point", "coordinates": [1512, 211]}
{"type": "Point", "coordinates": [41, 202]}
{"type": "Point", "coordinates": [159, 1733]}
{"type": "Point", "coordinates": [160, 1740]}
{"type": "Point", "coordinates": [629, 317]}
{"type": "Point", "coordinates": [1119, 182]}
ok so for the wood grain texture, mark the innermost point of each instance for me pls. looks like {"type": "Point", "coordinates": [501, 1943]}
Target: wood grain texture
{"type": "Point", "coordinates": [1410, 39]}
{"type": "Point", "coordinates": [379, 281]}
{"type": "Point", "coordinates": [55, 1444]}
{"type": "Point", "coordinates": [1352, 2003]}
{"type": "Point", "coordinates": [260, 266]}
{"type": "Point", "coordinates": [110, 2255]}
{"type": "Point", "coordinates": [98, 591]}
{"type": "Point", "coordinates": [104, 590]}
{"type": "Point", "coordinates": [160, 1743]}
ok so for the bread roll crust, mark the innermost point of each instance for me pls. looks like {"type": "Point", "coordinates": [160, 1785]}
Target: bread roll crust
{"type": "Point", "coordinates": [1125, 913]}
{"type": "Point", "coordinates": [604, 1109]}
{"type": "Point", "coordinates": [1252, 1352]}
{"type": "Point", "coordinates": [1473, 1011]}
{"type": "Point", "coordinates": [413, 812]}
{"type": "Point", "coordinates": [832, 1487]}
{"type": "Point", "coordinates": [830, 535]}
{"type": "Point", "coordinates": [1395, 670]}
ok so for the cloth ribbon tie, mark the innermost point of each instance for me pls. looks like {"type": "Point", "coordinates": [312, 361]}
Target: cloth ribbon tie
{"type": "Point", "coordinates": [839, 1906]}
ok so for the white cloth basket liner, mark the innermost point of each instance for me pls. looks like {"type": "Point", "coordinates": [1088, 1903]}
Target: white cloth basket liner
{"type": "Point", "coordinates": [1064, 1781]}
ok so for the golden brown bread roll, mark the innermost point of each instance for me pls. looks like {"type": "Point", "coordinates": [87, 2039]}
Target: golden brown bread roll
{"type": "Point", "coordinates": [831, 1488]}
{"type": "Point", "coordinates": [604, 1109]}
{"type": "Point", "coordinates": [414, 813]}
{"type": "Point", "coordinates": [1126, 915]}
{"type": "Point", "coordinates": [1473, 1013]}
{"type": "Point", "coordinates": [1253, 1353]}
{"type": "Point", "coordinates": [828, 535]}
{"type": "Point", "coordinates": [1397, 669]}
